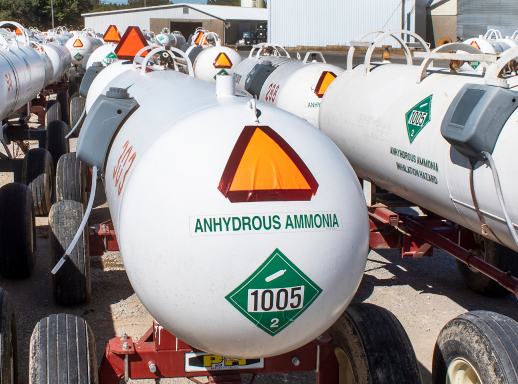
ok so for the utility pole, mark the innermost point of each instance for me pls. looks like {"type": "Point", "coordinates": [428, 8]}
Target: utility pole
{"type": "Point", "coordinates": [403, 18]}
{"type": "Point", "coordinates": [52, 10]}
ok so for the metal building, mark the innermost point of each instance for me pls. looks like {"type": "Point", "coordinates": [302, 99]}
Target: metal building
{"type": "Point", "coordinates": [228, 22]}
{"type": "Point", "coordinates": [334, 23]}
{"type": "Point", "coordinates": [464, 19]}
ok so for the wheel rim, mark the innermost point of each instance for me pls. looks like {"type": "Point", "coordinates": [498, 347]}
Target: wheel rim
{"type": "Point", "coordinates": [345, 372]}
{"type": "Point", "coordinates": [460, 371]}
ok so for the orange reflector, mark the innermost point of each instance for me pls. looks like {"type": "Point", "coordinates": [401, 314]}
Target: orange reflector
{"type": "Point", "coordinates": [18, 31]}
{"type": "Point", "coordinates": [474, 43]}
{"type": "Point", "coordinates": [131, 42]}
{"type": "Point", "coordinates": [112, 35]}
{"type": "Point", "coordinates": [77, 44]}
{"type": "Point", "coordinates": [264, 167]}
{"type": "Point", "coordinates": [222, 61]}
{"type": "Point", "coordinates": [325, 80]}
{"type": "Point", "coordinates": [198, 39]}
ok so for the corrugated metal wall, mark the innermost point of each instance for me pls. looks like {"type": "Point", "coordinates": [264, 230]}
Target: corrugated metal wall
{"type": "Point", "coordinates": [319, 23]}
{"type": "Point", "coordinates": [140, 18]}
{"type": "Point", "coordinates": [474, 16]}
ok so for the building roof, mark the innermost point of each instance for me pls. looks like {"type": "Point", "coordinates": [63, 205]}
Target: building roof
{"type": "Point", "coordinates": [221, 12]}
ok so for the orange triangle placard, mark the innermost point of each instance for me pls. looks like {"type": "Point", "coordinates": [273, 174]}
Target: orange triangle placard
{"type": "Point", "coordinates": [474, 43]}
{"type": "Point", "coordinates": [112, 35]}
{"type": "Point", "coordinates": [78, 43]}
{"type": "Point", "coordinates": [131, 42]}
{"type": "Point", "coordinates": [198, 38]}
{"type": "Point", "coordinates": [18, 31]}
{"type": "Point", "coordinates": [222, 61]}
{"type": "Point", "coordinates": [264, 167]}
{"type": "Point", "coordinates": [326, 78]}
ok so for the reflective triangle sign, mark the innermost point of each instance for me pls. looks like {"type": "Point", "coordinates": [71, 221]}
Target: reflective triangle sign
{"type": "Point", "coordinates": [326, 78]}
{"type": "Point", "coordinates": [112, 35]}
{"type": "Point", "coordinates": [264, 167]}
{"type": "Point", "coordinates": [131, 42]}
{"type": "Point", "coordinates": [18, 31]}
{"type": "Point", "coordinates": [474, 43]}
{"type": "Point", "coordinates": [222, 61]}
{"type": "Point", "coordinates": [78, 43]}
{"type": "Point", "coordinates": [198, 38]}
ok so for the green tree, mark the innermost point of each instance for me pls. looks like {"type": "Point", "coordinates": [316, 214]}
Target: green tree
{"type": "Point", "coordinates": [235, 3]}
{"type": "Point", "coordinates": [147, 3]}
{"type": "Point", "coordinates": [21, 11]}
{"type": "Point", "coordinates": [66, 13]}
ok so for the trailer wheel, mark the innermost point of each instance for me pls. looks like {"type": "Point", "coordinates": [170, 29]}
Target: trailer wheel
{"type": "Point", "coordinates": [56, 142]}
{"type": "Point", "coordinates": [8, 341]}
{"type": "Point", "coordinates": [77, 106]}
{"type": "Point", "coordinates": [38, 176]}
{"type": "Point", "coordinates": [498, 256]}
{"type": "Point", "coordinates": [71, 179]}
{"type": "Point", "coordinates": [73, 89]}
{"type": "Point", "coordinates": [53, 111]}
{"type": "Point", "coordinates": [372, 347]}
{"type": "Point", "coordinates": [71, 284]}
{"type": "Point", "coordinates": [64, 101]}
{"type": "Point", "coordinates": [17, 231]}
{"type": "Point", "coordinates": [477, 347]}
{"type": "Point", "coordinates": [62, 350]}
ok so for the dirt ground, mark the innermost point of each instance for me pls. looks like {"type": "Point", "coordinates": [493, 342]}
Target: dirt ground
{"type": "Point", "coordinates": [424, 294]}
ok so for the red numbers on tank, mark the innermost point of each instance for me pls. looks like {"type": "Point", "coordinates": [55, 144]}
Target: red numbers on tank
{"type": "Point", "coordinates": [272, 93]}
{"type": "Point", "coordinates": [9, 82]}
{"type": "Point", "coordinates": [123, 166]}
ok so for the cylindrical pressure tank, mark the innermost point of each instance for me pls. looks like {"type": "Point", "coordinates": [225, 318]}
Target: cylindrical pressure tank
{"type": "Point", "coordinates": [171, 40]}
{"type": "Point", "coordinates": [215, 60]}
{"type": "Point", "coordinates": [248, 199]}
{"type": "Point", "coordinates": [80, 45]}
{"type": "Point", "coordinates": [24, 72]}
{"type": "Point", "coordinates": [104, 54]}
{"type": "Point", "coordinates": [60, 57]}
{"type": "Point", "coordinates": [392, 123]}
{"type": "Point", "coordinates": [296, 86]}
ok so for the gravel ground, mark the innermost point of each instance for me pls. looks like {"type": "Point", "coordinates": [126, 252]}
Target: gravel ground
{"type": "Point", "coordinates": [424, 294]}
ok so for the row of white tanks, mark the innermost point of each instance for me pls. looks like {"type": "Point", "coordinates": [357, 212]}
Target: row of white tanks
{"type": "Point", "coordinates": [28, 67]}
{"type": "Point", "coordinates": [219, 208]}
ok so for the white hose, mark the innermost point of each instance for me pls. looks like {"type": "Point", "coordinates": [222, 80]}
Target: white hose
{"type": "Point", "coordinates": [500, 196]}
{"type": "Point", "coordinates": [77, 124]}
{"type": "Point", "coordinates": [82, 226]}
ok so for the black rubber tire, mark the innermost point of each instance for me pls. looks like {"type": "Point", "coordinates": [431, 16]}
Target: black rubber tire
{"type": "Point", "coordinates": [73, 89]}
{"type": "Point", "coordinates": [38, 176]}
{"type": "Point", "coordinates": [487, 340]}
{"type": "Point", "coordinates": [71, 179]}
{"type": "Point", "coordinates": [71, 285]}
{"type": "Point", "coordinates": [498, 256]}
{"type": "Point", "coordinates": [77, 106]}
{"type": "Point", "coordinates": [64, 101]}
{"type": "Point", "coordinates": [56, 142]}
{"type": "Point", "coordinates": [375, 345]}
{"type": "Point", "coordinates": [17, 231]}
{"type": "Point", "coordinates": [52, 111]}
{"type": "Point", "coordinates": [8, 341]}
{"type": "Point", "coordinates": [62, 351]}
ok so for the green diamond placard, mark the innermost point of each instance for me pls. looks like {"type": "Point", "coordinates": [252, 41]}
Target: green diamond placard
{"type": "Point", "coordinates": [222, 72]}
{"type": "Point", "coordinates": [110, 58]}
{"type": "Point", "coordinates": [474, 64]}
{"type": "Point", "coordinates": [275, 294]}
{"type": "Point", "coordinates": [78, 56]}
{"type": "Point", "coordinates": [417, 118]}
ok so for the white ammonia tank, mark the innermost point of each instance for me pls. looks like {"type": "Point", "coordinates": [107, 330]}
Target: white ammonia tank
{"type": "Point", "coordinates": [392, 133]}
{"type": "Point", "coordinates": [216, 60]}
{"type": "Point", "coordinates": [296, 86]}
{"type": "Point", "coordinates": [260, 208]}
{"type": "Point", "coordinates": [60, 57]}
{"type": "Point", "coordinates": [104, 54]}
{"type": "Point", "coordinates": [23, 70]}
{"type": "Point", "coordinates": [80, 45]}
{"type": "Point", "coordinates": [167, 39]}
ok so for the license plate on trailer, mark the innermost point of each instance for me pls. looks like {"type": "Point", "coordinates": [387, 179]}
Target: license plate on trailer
{"type": "Point", "coordinates": [196, 362]}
